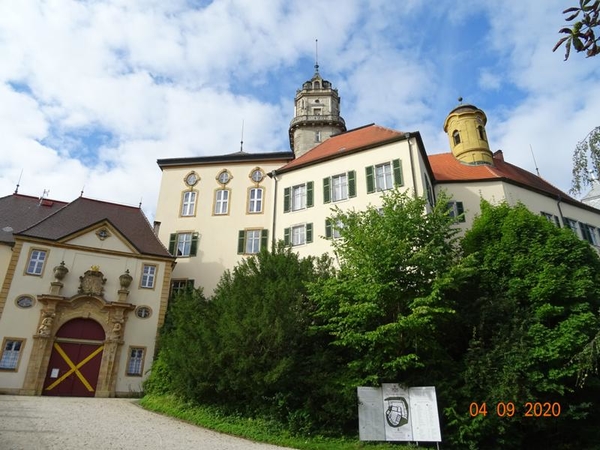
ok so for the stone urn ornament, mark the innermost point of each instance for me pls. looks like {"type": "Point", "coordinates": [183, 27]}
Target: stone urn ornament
{"type": "Point", "coordinates": [125, 280]}
{"type": "Point", "coordinates": [60, 271]}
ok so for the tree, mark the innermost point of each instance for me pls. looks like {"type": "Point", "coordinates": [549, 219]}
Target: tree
{"type": "Point", "coordinates": [386, 305]}
{"type": "Point", "coordinates": [532, 306]}
{"type": "Point", "coordinates": [586, 161]}
{"type": "Point", "coordinates": [581, 35]}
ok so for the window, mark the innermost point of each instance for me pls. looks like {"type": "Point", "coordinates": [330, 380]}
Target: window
{"type": "Point", "coordinates": [11, 351]}
{"type": "Point", "coordinates": [183, 244]}
{"type": "Point", "coordinates": [298, 234]}
{"type": "Point", "coordinates": [25, 301]}
{"type": "Point", "coordinates": [143, 312]}
{"type": "Point", "coordinates": [221, 201]}
{"type": "Point", "coordinates": [251, 241]}
{"type": "Point", "coordinates": [135, 364]}
{"type": "Point", "coordinates": [339, 187]}
{"type": "Point", "coordinates": [180, 286]}
{"type": "Point", "coordinates": [456, 137]}
{"type": "Point", "coordinates": [589, 233]}
{"type": "Point", "coordinates": [571, 224]}
{"type": "Point", "coordinates": [332, 229]}
{"type": "Point", "coordinates": [188, 204]}
{"type": "Point", "coordinates": [481, 132]}
{"type": "Point", "coordinates": [148, 276]}
{"type": "Point", "coordinates": [298, 197]}
{"type": "Point", "coordinates": [551, 218]}
{"type": "Point", "coordinates": [456, 211]}
{"type": "Point", "coordinates": [36, 262]}
{"type": "Point", "coordinates": [255, 200]}
{"type": "Point", "coordinates": [317, 136]}
{"type": "Point", "coordinates": [383, 176]}
{"type": "Point", "coordinates": [429, 190]}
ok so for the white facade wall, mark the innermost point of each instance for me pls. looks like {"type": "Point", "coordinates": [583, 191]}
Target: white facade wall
{"type": "Point", "coordinates": [217, 234]}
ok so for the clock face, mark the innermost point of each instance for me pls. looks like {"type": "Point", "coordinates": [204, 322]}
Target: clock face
{"type": "Point", "coordinates": [224, 177]}
{"type": "Point", "coordinates": [257, 176]}
{"type": "Point", "coordinates": [191, 179]}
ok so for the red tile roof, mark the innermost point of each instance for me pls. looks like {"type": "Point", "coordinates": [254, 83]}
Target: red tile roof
{"type": "Point", "coordinates": [344, 143]}
{"type": "Point", "coordinates": [18, 212]}
{"type": "Point", "coordinates": [446, 168]}
{"type": "Point", "coordinates": [84, 212]}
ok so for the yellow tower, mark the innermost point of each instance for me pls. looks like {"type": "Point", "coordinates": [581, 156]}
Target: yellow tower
{"type": "Point", "coordinates": [465, 127]}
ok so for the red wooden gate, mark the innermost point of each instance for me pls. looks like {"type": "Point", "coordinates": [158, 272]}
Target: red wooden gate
{"type": "Point", "coordinates": [75, 360]}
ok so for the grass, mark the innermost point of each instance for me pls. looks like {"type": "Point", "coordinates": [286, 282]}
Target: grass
{"type": "Point", "coordinates": [258, 430]}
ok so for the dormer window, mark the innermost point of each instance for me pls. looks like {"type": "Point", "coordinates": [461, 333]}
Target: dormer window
{"type": "Point", "coordinates": [317, 85]}
{"type": "Point", "coordinates": [456, 137]}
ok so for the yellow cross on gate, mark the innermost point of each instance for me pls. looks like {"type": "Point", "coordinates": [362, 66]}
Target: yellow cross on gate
{"type": "Point", "coordinates": [74, 368]}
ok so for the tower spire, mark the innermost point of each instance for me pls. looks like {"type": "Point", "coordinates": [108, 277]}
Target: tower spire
{"type": "Point", "coordinates": [316, 56]}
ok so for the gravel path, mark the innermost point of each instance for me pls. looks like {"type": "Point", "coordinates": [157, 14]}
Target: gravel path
{"type": "Point", "coordinates": [67, 423]}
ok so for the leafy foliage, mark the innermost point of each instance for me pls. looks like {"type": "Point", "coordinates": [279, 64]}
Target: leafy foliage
{"type": "Point", "coordinates": [532, 307]}
{"type": "Point", "coordinates": [386, 304]}
{"type": "Point", "coordinates": [582, 34]}
{"type": "Point", "coordinates": [586, 161]}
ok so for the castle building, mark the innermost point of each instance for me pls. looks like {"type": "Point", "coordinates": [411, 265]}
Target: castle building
{"type": "Point", "coordinates": [214, 211]}
{"type": "Point", "coordinates": [84, 291]}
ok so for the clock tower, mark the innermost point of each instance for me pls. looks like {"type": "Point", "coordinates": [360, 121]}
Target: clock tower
{"type": "Point", "coordinates": [316, 114]}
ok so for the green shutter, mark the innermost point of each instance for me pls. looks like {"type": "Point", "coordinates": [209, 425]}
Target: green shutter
{"type": "Point", "coordinates": [264, 239]}
{"type": "Point", "coordinates": [310, 196]}
{"type": "Point", "coordinates": [286, 199]}
{"type": "Point", "coordinates": [241, 238]}
{"type": "Point", "coordinates": [194, 246]}
{"type": "Point", "coordinates": [309, 232]}
{"type": "Point", "coordinates": [397, 169]}
{"type": "Point", "coordinates": [352, 183]}
{"type": "Point", "coordinates": [460, 210]}
{"type": "Point", "coordinates": [172, 243]}
{"type": "Point", "coordinates": [326, 190]}
{"type": "Point", "coordinates": [286, 235]}
{"type": "Point", "coordinates": [328, 229]}
{"type": "Point", "coordinates": [370, 179]}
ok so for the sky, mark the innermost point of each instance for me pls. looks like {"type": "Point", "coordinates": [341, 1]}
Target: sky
{"type": "Point", "coordinates": [93, 92]}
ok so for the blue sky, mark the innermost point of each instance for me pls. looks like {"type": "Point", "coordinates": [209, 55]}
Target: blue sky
{"type": "Point", "coordinates": [93, 92]}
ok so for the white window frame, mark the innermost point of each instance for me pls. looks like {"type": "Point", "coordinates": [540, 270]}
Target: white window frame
{"type": "Point", "coordinates": [135, 361]}
{"type": "Point", "coordinates": [255, 200]}
{"type": "Point", "coordinates": [339, 187]}
{"type": "Point", "coordinates": [383, 178]}
{"type": "Point", "coordinates": [37, 260]}
{"type": "Point", "coordinates": [184, 244]}
{"type": "Point", "coordinates": [317, 136]}
{"type": "Point", "coordinates": [10, 357]}
{"type": "Point", "coordinates": [221, 202]}
{"type": "Point", "coordinates": [298, 197]}
{"type": "Point", "coordinates": [188, 204]}
{"type": "Point", "coordinates": [252, 241]}
{"type": "Point", "coordinates": [148, 276]}
{"type": "Point", "coordinates": [298, 235]}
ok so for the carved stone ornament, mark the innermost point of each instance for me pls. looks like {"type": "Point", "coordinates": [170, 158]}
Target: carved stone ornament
{"type": "Point", "coordinates": [92, 282]}
{"type": "Point", "coordinates": [60, 271]}
{"type": "Point", "coordinates": [125, 280]}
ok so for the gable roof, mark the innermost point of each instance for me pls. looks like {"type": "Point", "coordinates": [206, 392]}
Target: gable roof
{"type": "Point", "coordinates": [18, 212]}
{"type": "Point", "coordinates": [447, 169]}
{"type": "Point", "coordinates": [345, 143]}
{"type": "Point", "coordinates": [84, 212]}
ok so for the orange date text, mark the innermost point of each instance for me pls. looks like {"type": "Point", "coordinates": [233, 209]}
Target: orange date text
{"type": "Point", "coordinates": [509, 409]}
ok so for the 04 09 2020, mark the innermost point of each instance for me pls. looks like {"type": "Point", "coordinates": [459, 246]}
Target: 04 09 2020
{"type": "Point", "coordinates": [510, 409]}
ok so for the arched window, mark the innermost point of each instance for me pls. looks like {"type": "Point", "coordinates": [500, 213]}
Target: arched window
{"type": "Point", "coordinates": [481, 133]}
{"type": "Point", "coordinates": [317, 85]}
{"type": "Point", "coordinates": [456, 137]}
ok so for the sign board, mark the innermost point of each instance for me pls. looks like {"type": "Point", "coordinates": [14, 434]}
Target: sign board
{"type": "Point", "coordinates": [395, 413]}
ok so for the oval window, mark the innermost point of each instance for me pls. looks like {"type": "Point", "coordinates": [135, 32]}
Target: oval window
{"type": "Point", "coordinates": [143, 312]}
{"type": "Point", "coordinates": [25, 301]}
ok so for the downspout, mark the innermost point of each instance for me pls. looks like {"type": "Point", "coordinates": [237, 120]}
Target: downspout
{"type": "Point", "coordinates": [562, 219]}
{"type": "Point", "coordinates": [412, 166]}
{"type": "Point", "coordinates": [273, 175]}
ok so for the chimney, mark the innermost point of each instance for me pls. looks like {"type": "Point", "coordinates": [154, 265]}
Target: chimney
{"type": "Point", "coordinates": [156, 227]}
{"type": "Point", "coordinates": [499, 155]}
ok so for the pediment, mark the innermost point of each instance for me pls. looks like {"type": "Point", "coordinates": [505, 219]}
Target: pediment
{"type": "Point", "coordinates": [102, 235]}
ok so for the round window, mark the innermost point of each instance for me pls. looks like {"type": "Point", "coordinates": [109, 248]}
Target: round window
{"type": "Point", "coordinates": [25, 301]}
{"type": "Point", "coordinates": [143, 312]}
